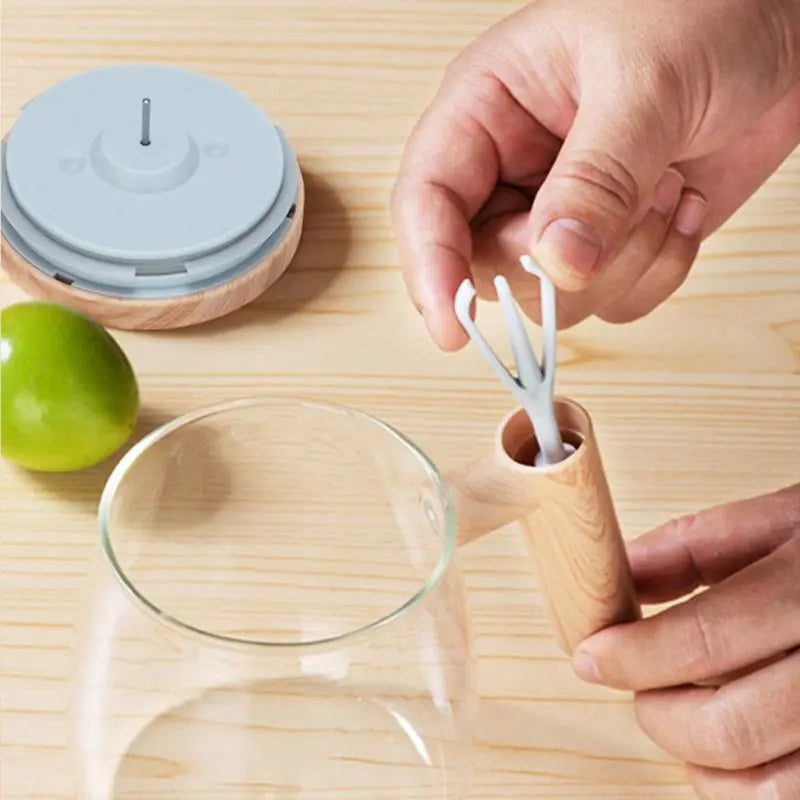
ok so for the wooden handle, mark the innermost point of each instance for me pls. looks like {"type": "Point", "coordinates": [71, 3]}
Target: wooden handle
{"type": "Point", "coordinates": [568, 518]}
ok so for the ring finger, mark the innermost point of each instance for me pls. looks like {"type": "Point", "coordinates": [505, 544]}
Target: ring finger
{"type": "Point", "coordinates": [668, 269]}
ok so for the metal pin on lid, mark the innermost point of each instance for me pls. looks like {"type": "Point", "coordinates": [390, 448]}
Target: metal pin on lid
{"type": "Point", "coordinates": [145, 138]}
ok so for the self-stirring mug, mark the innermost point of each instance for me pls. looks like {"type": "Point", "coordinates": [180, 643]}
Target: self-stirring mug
{"type": "Point", "coordinates": [277, 609]}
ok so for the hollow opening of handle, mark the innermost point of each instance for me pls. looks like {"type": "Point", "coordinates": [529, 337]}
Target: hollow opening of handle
{"type": "Point", "coordinates": [518, 438]}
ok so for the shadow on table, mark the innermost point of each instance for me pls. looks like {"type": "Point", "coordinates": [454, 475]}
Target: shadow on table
{"type": "Point", "coordinates": [322, 253]}
{"type": "Point", "coordinates": [558, 742]}
{"type": "Point", "coordinates": [84, 488]}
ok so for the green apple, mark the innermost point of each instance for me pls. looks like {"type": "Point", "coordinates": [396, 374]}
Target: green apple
{"type": "Point", "coordinates": [68, 395]}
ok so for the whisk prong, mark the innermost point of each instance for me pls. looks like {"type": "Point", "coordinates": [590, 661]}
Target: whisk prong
{"type": "Point", "coordinates": [533, 386]}
{"type": "Point", "coordinates": [464, 297]}
{"type": "Point", "coordinates": [528, 369]}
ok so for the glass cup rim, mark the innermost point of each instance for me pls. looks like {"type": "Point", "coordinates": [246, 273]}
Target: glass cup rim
{"type": "Point", "coordinates": [123, 467]}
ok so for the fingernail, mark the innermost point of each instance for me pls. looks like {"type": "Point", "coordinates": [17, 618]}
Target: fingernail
{"type": "Point", "coordinates": [668, 191]}
{"type": "Point", "coordinates": [691, 215]}
{"type": "Point", "coordinates": [571, 245]}
{"type": "Point", "coordinates": [585, 667]}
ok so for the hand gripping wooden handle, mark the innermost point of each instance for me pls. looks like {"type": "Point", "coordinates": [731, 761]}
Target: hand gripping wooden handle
{"type": "Point", "coordinates": [567, 516]}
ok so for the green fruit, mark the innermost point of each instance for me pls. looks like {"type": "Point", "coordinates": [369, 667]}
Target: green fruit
{"type": "Point", "coordinates": [68, 395]}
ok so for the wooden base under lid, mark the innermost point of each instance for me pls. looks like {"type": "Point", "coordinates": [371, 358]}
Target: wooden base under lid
{"type": "Point", "coordinates": [161, 314]}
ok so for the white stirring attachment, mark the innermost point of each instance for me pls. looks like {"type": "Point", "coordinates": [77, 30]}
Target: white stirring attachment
{"type": "Point", "coordinates": [533, 386]}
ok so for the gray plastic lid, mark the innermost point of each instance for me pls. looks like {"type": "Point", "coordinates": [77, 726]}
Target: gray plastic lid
{"type": "Point", "coordinates": [208, 195]}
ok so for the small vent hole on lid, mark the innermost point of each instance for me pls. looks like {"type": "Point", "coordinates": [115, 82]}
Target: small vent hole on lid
{"type": "Point", "coordinates": [170, 268]}
{"type": "Point", "coordinates": [63, 279]}
{"type": "Point", "coordinates": [292, 212]}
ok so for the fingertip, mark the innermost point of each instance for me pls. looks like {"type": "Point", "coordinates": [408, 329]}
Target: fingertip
{"type": "Point", "coordinates": [600, 658]}
{"type": "Point", "coordinates": [691, 214]}
{"type": "Point", "coordinates": [562, 278]}
{"type": "Point", "coordinates": [445, 329]}
{"type": "Point", "coordinates": [585, 666]}
{"type": "Point", "coordinates": [551, 259]}
{"type": "Point", "coordinates": [587, 660]}
{"type": "Point", "coordinates": [668, 192]}
{"type": "Point", "coordinates": [435, 289]}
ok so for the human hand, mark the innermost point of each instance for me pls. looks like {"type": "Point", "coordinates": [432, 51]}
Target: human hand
{"type": "Point", "coordinates": [637, 127]}
{"type": "Point", "coordinates": [742, 740]}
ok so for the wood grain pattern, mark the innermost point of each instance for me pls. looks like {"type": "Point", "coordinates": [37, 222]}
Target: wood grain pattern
{"type": "Point", "coordinates": [174, 312]}
{"type": "Point", "coordinates": [695, 405]}
{"type": "Point", "coordinates": [568, 518]}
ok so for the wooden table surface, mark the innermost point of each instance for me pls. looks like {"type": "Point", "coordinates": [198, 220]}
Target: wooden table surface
{"type": "Point", "coordinates": [696, 405]}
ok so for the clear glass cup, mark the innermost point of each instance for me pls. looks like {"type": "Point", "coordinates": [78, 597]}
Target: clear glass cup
{"type": "Point", "coordinates": [276, 612]}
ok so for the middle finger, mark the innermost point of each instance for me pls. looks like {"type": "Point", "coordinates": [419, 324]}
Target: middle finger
{"type": "Point", "coordinates": [748, 722]}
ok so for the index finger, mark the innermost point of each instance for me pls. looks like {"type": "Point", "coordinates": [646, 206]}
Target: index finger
{"type": "Point", "coordinates": [448, 171]}
{"type": "Point", "coordinates": [745, 620]}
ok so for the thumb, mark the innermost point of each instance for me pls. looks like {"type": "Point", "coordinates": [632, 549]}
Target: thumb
{"type": "Point", "coordinates": [599, 186]}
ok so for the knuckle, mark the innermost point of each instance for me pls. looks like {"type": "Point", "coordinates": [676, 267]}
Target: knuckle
{"type": "Point", "coordinates": [656, 74]}
{"type": "Point", "coordinates": [677, 528]}
{"type": "Point", "coordinates": [724, 737]}
{"type": "Point", "coordinates": [692, 526]}
{"type": "Point", "coordinates": [608, 178]}
{"type": "Point", "coordinates": [781, 38]}
{"type": "Point", "coordinates": [666, 79]}
{"type": "Point", "coordinates": [668, 105]}
{"type": "Point", "coordinates": [705, 650]}
{"type": "Point", "coordinates": [456, 65]}
{"type": "Point", "coordinates": [469, 69]}
{"type": "Point", "coordinates": [689, 529]}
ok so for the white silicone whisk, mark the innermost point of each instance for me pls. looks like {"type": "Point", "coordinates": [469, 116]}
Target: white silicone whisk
{"type": "Point", "coordinates": [533, 384]}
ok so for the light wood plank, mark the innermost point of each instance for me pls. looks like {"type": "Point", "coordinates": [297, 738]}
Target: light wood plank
{"type": "Point", "coordinates": [698, 404]}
